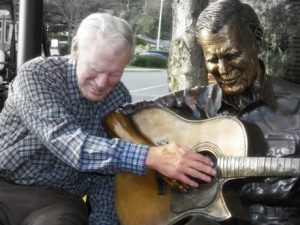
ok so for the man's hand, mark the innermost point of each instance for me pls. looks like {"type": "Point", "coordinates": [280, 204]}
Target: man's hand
{"type": "Point", "coordinates": [180, 163]}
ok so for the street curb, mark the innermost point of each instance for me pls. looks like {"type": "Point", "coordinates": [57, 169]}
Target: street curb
{"type": "Point", "coordinates": [143, 70]}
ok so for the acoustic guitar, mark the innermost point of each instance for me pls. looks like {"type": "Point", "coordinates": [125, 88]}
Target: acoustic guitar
{"type": "Point", "coordinates": [147, 200]}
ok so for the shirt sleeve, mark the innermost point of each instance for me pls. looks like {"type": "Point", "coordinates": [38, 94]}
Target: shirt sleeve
{"type": "Point", "coordinates": [43, 110]}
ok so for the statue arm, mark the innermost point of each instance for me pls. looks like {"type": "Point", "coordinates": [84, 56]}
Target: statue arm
{"type": "Point", "coordinates": [174, 100]}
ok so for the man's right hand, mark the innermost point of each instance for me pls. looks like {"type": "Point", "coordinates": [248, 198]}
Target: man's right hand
{"type": "Point", "coordinates": [180, 163]}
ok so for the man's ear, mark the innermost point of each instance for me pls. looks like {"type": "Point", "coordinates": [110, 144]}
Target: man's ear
{"type": "Point", "coordinates": [74, 48]}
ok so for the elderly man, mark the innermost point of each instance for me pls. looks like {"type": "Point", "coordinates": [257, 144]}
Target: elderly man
{"type": "Point", "coordinates": [230, 35]}
{"type": "Point", "coordinates": [53, 145]}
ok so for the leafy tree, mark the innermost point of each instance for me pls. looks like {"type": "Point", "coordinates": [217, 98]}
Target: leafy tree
{"type": "Point", "coordinates": [279, 22]}
{"type": "Point", "coordinates": [131, 10]}
{"type": "Point", "coordinates": [63, 17]}
{"type": "Point", "coordinates": [148, 22]}
{"type": "Point", "coordinates": [147, 25]}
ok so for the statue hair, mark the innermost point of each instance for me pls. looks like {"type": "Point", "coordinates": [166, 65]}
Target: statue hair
{"type": "Point", "coordinates": [217, 14]}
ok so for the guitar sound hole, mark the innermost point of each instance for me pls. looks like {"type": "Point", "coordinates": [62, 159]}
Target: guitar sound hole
{"type": "Point", "coordinates": [209, 155]}
{"type": "Point", "coordinates": [213, 158]}
{"type": "Point", "coordinates": [205, 184]}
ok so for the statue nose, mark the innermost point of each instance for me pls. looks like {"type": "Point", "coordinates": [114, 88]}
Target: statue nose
{"type": "Point", "coordinates": [223, 66]}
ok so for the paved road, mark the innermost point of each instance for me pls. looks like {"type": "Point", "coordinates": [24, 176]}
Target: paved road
{"type": "Point", "coordinates": [145, 84]}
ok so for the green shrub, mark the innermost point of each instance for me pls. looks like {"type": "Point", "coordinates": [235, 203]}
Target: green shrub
{"type": "Point", "coordinates": [279, 22]}
{"type": "Point", "coordinates": [276, 62]}
{"type": "Point", "coordinates": [150, 61]}
{"type": "Point", "coordinates": [140, 48]}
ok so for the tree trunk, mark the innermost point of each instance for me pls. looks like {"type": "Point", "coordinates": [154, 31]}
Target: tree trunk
{"type": "Point", "coordinates": [186, 64]}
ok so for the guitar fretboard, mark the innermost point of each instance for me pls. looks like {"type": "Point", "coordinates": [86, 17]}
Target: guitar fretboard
{"type": "Point", "coordinates": [258, 166]}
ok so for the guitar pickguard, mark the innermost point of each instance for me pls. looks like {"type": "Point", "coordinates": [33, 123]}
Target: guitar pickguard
{"type": "Point", "coordinates": [195, 198]}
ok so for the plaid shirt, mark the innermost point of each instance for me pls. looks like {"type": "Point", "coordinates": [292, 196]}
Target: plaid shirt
{"type": "Point", "coordinates": [51, 136]}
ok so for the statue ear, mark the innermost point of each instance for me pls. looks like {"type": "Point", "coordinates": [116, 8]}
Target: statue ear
{"type": "Point", "coordinates": [258, 35]}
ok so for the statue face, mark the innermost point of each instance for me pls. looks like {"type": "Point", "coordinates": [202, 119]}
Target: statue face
{"type": "Point", "coordinates": [231, 57]}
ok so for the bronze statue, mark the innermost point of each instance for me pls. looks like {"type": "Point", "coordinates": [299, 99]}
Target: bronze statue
{"type": "Point", "coordinates": [230, 35]}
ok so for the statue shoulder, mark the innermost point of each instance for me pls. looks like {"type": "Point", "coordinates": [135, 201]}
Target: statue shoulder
{"type": "Point", "coordinates": [287, 97]}
{"type": "Point", "coordinates": [285, 88]}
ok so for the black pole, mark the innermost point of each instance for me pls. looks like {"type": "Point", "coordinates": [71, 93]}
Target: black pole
{"type": "Point", "coordinates": [30, 30]}
{"type": "Point", "coordinates": [12, 56]}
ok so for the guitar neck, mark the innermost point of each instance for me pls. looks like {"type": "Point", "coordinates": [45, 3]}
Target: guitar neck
{"type": "Point", "coordinates": [236, 166]}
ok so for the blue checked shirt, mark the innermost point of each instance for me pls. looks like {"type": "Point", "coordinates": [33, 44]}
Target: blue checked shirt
{"type": "Point", "coordinates": [51, 136]}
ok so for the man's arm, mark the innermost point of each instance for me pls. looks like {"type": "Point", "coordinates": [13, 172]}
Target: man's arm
{"type": "Point", "coordinates": [174, 161]}
{"type": "Point", "coordinates": [41, 101]}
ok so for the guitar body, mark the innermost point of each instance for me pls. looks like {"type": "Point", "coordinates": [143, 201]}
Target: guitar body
{"type": "Point", "coordinates": [144, 200]}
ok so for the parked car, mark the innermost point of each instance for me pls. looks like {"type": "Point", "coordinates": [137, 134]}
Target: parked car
{"type": "Point", "coordinates": [153, 53]}
{"type": "Point", "coordinates": [164, 53]}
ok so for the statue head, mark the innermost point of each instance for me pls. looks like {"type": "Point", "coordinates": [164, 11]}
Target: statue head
{"type": "Point", "coordinates": [230, 35]}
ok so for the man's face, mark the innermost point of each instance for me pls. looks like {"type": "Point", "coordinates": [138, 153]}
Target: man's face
{"type": "Point", "coordinates": [231, 57]}
{"type": "Point", "coordinates": [98, 71]}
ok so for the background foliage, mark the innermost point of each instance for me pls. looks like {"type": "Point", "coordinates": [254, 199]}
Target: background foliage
{"type": "Point", "coordinates": [277, 17]}
{"type": "Point", "coordinates": [150, 61]}
{"type": "Point", "coordinates": [279, 22]}
{"type": "Point", "coordinates": [63, 17]}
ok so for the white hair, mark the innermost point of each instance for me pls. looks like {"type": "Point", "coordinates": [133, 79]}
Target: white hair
{"type": "Point", "coordinates": [111, 32]}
